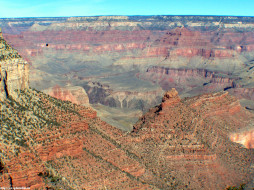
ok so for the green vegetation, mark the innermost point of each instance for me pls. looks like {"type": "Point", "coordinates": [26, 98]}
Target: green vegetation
{"type": "Point", "coordinates": [241, 187]}
{"type": "Point", "coordinates": [6, 51]}
{"type": "Point", "coordinates": [29, 113]}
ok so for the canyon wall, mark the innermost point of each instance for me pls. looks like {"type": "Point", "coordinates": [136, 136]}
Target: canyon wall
{"type": "Point", "coordinates": [202, 54]}
{"type": "Point", "coordinates": [75, 94]}
{"type": "Point", "coordinates": [179, 133]}
{"type": "Point", "coordinates": [14, 70]}
{"type": "Point", "coordinates": [180, 144]}
{"type": "Point", "coordinates": [188, 79]}
{"type": "Point", "coordinates": [103, 94]}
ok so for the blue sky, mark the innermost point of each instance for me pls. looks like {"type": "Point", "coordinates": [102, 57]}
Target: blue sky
{"type": "Point", "coordinates": [57, 8]}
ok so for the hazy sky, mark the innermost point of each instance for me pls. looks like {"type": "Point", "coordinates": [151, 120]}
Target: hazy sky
{"type": "Point", "coordinates": [56, 8]}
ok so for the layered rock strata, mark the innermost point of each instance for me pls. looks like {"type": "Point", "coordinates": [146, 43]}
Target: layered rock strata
{"type": "Point", "coordinates": [75, 94]}
{"type": "Point", "coordinates": [180, 144]}
{"type": "Point", "coordinates": [188, 79]}
{"type": "Point", "coordinates": [216, 44]}
{"type": "Point", "coordinates": [14, 70]}
{"type": "Point", "coordinates": [57, 144]}
{"type": "Point", "coordinates": [190, 138]}
{"type": "Point", "coordinates": [103, 94]}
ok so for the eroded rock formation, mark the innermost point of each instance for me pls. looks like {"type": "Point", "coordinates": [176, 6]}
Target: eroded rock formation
{"type": "Point", "coordinates": [180, 144]}
{"type": "Point", "coordinates": [99, 93]}
{"type": "Point", "coordinates": [75, 94]}
{"type": "Point", "coordinates": [190, 138]}
{"type": "Point", "coordinates": [189, 79]}
{"type": "Point", "coordinates": [14, 70]}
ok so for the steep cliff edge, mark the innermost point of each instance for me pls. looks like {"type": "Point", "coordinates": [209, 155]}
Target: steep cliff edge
{"type": "Point", "coordinates": [14, 70]}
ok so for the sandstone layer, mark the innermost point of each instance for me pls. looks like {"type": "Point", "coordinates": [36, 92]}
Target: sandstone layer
{"type": "Point", "coordinates": [180, 144]}
{"type": "Point", "coordinates": [75, 94]}
{"type": "Point", "coordinates": [190, 138]}
{"type": "Point", "coordinates": [14, 71]}
{"type": "Point", "coordinates": [55, 144]}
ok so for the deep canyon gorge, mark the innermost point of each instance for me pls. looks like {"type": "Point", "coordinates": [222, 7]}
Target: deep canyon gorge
{"type": "Point", "coordinates": [139, 102]}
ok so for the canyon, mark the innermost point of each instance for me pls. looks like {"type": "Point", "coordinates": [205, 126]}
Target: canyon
{"type": "Point", "coordinates": [168, 85]}
{"type": "Point", "coordinates": [124, 52]}
{"type": "Point", "coordinates": [49, 143]}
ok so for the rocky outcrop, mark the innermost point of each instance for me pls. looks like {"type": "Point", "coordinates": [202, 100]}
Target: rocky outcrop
{"type": "Point", "coordinates": [246, 138]}
{"type": "Point", "coordinates": [14, 70]}
{"type": "Point", "coordinates": [57, 144]}
{"type": "Point", "coordinates": [170, 98]}
{"type": "Point", "coordinates": [49, 143]}
{"type": "Point", "coordinates": [103, 94]}
{"type": "Point", "coordinates": [190, 138]}
{"type": "Point", "coordinates": [188, 79]}
{"type": "Point", "coordinates": [75, 94]}
{"type": "Point", "coordinates": [241, 92]}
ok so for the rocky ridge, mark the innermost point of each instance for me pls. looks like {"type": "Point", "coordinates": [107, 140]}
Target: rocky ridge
{"type": "Point", "coordinates": [190, 137]}
{"type": "Point", "coordinates": [43, 138]}
{"type": "Point", "coordinates": [185, 79]}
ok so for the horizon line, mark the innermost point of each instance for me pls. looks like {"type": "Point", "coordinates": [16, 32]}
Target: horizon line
{"type": "Point", "coordinates": [128, 16]}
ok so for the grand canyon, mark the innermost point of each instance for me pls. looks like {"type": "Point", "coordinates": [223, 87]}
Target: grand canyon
{"type": "Point", "coordinates": [127, 102]}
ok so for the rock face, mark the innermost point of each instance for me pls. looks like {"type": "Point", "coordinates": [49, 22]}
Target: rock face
{"type": "Point", "coordinates": [190, 138]}
{"type": "Point", "coordinates": [103, 94]}
{"type": "Point", "coordinates": [60, 145]}
{"type": "Point", "coordinates": [245, 138]}
{"type": "Point", "coordinates": [189, 80]}
{"type": "Point", "coordinates": [14, 70]}
{"type": "Point", "coordinates": [180, 144]}
{"type": "Point", "coordinates": [75, 94]}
